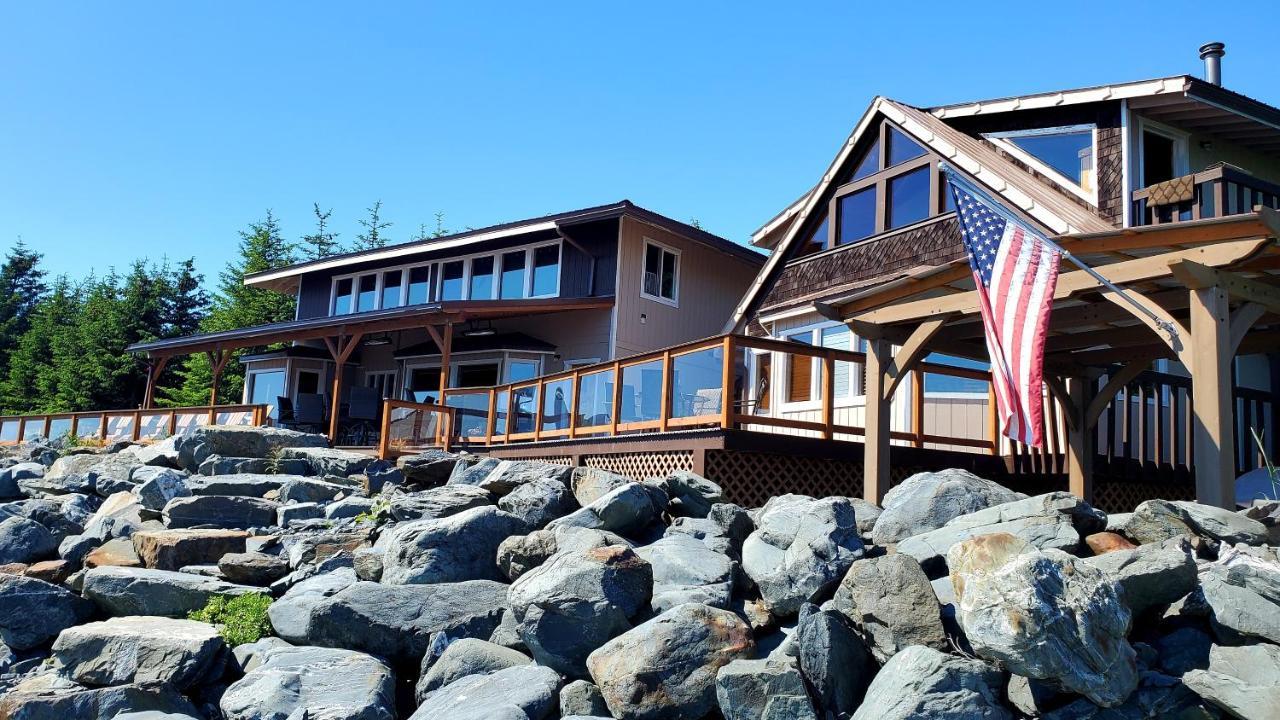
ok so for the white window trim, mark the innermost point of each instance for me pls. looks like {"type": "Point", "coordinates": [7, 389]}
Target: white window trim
{"type": "Point", "coordinates": [251, 379]}
{"type": "Point", "coordinates": [437, 277]}
{"type": "Point", "coordinates": [782, 373]}
{"type": "Point", "coordinates": [1002, 141]}
{"type": "Point", "coordinates": [1181, 149]}
{"type": "Point", "coordinates": [295, 382]}
{"type": "Point", "coordinates": [537, 369]}
{"type": "Point", "coordinates": [644, 254]}
{"type": "Point", "coordinates": [389, 384]}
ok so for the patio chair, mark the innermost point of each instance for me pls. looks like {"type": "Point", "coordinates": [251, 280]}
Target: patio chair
{"type": "Point", "coordinates": [362, 415]}
{"type": "Point", "coordinates": [309, 412]}
{"type": "Point", "coordinates": [284, 413]}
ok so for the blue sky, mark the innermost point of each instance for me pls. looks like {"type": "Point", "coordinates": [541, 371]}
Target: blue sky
{"type": "Point", "coordinates": [136, 129]}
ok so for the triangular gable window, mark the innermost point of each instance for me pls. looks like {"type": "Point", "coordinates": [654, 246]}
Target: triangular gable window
{"type": "Point", "coordinates": [870, 163]}
{"type": "Point", "coordinates": [901, 147]}
{"type": "Point", "coordinates": [1063, 154]}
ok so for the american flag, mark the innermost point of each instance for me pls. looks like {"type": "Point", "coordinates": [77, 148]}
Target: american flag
{"type": "Point", "coordinates": [1016, 272]}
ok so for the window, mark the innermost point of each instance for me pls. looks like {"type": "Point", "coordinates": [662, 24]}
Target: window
{"type": "Point", "coordinates": [1063, 154]}
{"type": "Point", "coordinates": [482, 278]}
{"type": "Point", "coordinates": [761, 387]}
{"type": "Point", "coordinates": [838, 337]}
{"type": "Point", "coordinates": [451, 286]}
{"type": "Point", "coordinates": [908, 198]}
{"type": "Point", "coordinates": [546, 271]}
{"type": "Point", "coordinates": [423, 385]}
{"type": "Point", "coordinates": [391, 282]}
{"type": "Point", "coordinates": [266, 388]}
{"type": "Point", "coordinates": [817, 240]}
{"type": "Point", "coordinates": [367, 298]}
{"type": "Point", "coordinates": [870, 164]}
{"type": "Point", "coordinates": [800, 373]}
{"type": "Point", "coordinates": [513, 267]}
{"type": "Point", "coordinates": [478, 375]}
{"type": "Point", "coordinates": [308, 383]}
{"type": "Point", "coordinates": [900, 148]}
{"type": "Point", "coordinates": [1157, 158]}
{"type": "Point", "coordinates": [804, 374]}
{"type": "Point", "coordinates": [383, 381]}
{"type": "Point", "coordinates": [521, 370]}
{"type": "Point", "coordinates": [342, 297]}
{"type": "Point", "coordinates": [419, 285]}
{"type": "Point", "coordinates": [857, 216]}
{"type": "Point", "coordinates": [661, 273]}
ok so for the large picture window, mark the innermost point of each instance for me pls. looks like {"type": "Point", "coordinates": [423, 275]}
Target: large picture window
{"type": "Point", "coordinates": [661, 279]}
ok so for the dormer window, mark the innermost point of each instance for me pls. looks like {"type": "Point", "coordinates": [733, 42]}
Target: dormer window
{"type": "Point", "coordinates": [1065, 155]}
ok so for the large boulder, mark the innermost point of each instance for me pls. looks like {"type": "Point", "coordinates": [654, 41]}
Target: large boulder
{"type": "Point", "coordinates": [920, 683]}
{"type": "Point", "coordinates": [578, 600]}
{"type": "Point", "coordinates": [1158, 520]}
{"type": "Point", "coordinates": [176, 549]}
{"type": "Point", "coordinates": [451, 549]}
{"type": "Point", "coordinates": [218, 465]}
{"type": "Point", "coordinates": [538, 502]}
{"type": "Point", "coordinates": [304, 489]}
{"type": "Point", "coordinates": [1243, 595]}
{"type": "Point", "coordinates": [253, 485]}
{"type": "Point", "coordinates": [139, 591]}
{"type": "Point", "coordinates": [9, 477]}
{"type": "Point", "coordinates": [68, 474]}
{"type": "Point", "coordinates": [834, 660]}
{"type": "Point", "coordinates": [1243, 681]}
{"type": "Point", "coordinates": [468, 656]}
{"type": "Point", "coordinates": [220, 511]}
{"type": "Point", "coordinates": [332, 461]}
{"type": "Point", "coordinates": [590, 484]}
{"type": "Point", "coordinates": [158, 485]}
{"type": "Point", "coordinates": [519, 554]}
{"type": "Point", "coordinates": [145, 650]}
{"type": "Point", "coordinates": [1044, 615]}
{"type": "Point", "coordinates": [667, 667]}
{"type": "Point", "coordinates": [723, 530]}
{"type": "Point", "coordinates": [500, 477]}
{"type": "Point", "coordinates": [117, 552]}
{"type": "Point", "coordinates": [1150, 575]}
{"type": "Point", "coordinates": [33, 611]}
{"type": "Point", "coordinates": [624, 510]}
{"type": "Point", "coordinates": [768, 689]}
{"type": "Point", "coordinates": [49, 696]}
{"type": "Point", "coordinates": [290, 616]}
{"type": "Point", "coordinates": [118, 516]}
{"type": "Point", "coordinates": [231, 441]}
{"type": "Point", "coordinates": [890, 601]}
{"type": "Point", "coordinates": [437, 502]}
{"type": "Point", "coordinates": [690, 494]}
{"type": "Point", "coordinates": [686, 570]}
{"type": "Point", "coordinates": [312, 682]}
{"type": "Point", "coordinates": [522, 692]}
{"type": "Point", "coordinates": [252, 568]}
{"type": "Point", "coordinates": [800, 548]}
{"type": "Point", "coordinates": [431, 468]}
{"type": "Point", "coordinates": [25, 541]}
{"type": "Point", "coordinates": [582, 698]}
{"type": "Point", "coordinates": [927, 501]}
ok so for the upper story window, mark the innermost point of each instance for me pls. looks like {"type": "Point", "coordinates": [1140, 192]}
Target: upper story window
{"type": "Point", "coordinates": [661, 279]}
{"type": "Point", "coordinates": [527, 272]}
{"type": "Point", "coordinates": [895, 183]}
{"type": "Point", "coordinates": [1062, 154]}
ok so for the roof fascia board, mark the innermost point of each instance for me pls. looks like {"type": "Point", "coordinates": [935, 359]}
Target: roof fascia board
{"type": "Point", "coordinates": [1141, 88]}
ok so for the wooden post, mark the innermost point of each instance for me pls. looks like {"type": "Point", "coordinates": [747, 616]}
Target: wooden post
{"type": "Point", "coordinates": [828, 397]}
{"type": "Point", "coordinates": [728, 394]}
{"type": "Point", "coordinates": [217, 361]}
{"type": "Point", "coordinates": [875, 482]}
{"type": "Point", "coordinates": [664, 407]}
{"type": "Point", "coordinates": [1081, 439]}
{"type": "Point", "coordinates": [576, 384]}
{"type": "Point", "coordinates": [616, 411]}
{"type": "Point", "coordinates": [341, 351]}
{"type": "Point", "coordinates": [384, 432]}
{"type": "Point", "coordinates": [154, 368]}
{"type": "Point", "coordinates": [492, 419]}
{"type": "Point", "coordinates": [917, 407]}
{"type": "Point", "coordinates": [1211, 397]}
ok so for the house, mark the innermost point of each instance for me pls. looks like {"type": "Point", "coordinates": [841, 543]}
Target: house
{"type": "Point", "coordinates": [472, 310]}
{"type": "Point", "coordinates": [1166, 186]}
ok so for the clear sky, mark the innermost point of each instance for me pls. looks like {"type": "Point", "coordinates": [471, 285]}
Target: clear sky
{"type": "Point", "coordinates": [132, 129]}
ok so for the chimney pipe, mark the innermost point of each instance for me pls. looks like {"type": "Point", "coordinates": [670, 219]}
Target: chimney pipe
{"type": "Point", "coordinates": [1211, 54]}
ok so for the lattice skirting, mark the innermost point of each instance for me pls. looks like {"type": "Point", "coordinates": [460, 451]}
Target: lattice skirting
{"type": "Point", "coordinates": [1114, 496]}
{"type": "Point", "coordinates": [642, 465]}
{"type": "Point", "coordinates": [750, 479]}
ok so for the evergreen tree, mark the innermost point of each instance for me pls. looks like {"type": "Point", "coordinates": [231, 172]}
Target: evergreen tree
{"type": "Point", "coordinates": [372, 236]}
{"type": "Point", "coordinates": [22, 288]}
{"type": "Point", "coordinates": [322, 243]}
{"type": "Point", "coordinates": [187, 302]}
{"type": "Point", "coordinates": [28, 383]}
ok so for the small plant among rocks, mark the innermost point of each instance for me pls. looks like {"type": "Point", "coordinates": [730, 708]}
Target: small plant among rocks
{"type": "Point", "coordinates": [380, 506]}
{"type": "Point", "coordinates": [240, 620]}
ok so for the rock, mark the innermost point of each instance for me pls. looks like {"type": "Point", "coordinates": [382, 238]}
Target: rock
{"type": "Point", "coordinates": [927, 501]}
{"type": "Point", "coordinates": [398, 622]}
{"type": "Point", "coordinates": [118, 552]}
{"type": "Point", "coordinates": [690, 494]}
{"type": "Point", "coordinates": [68, 474]}
{"type": "Point", "coordinates": [723, 530]}
{"type": "Point", "coordinates": [438, 502]}
{"type": "Point", "coordinates": [119, 516]}
{"type": "Point", "coordinates": [248, 656]}
{"type": "Point", "coordinates": [576, 601]}
{"type": "Point", "coordinates": [163, 453]}
{"type": "Point", "coordinates": [1157, 697]}
{"type": "Point", "coordinates": [452, 549]}
{"type": "Point", "coordinates": [312, 682]}
{"type": "Point", "coordinates": [332, 461]}
{"type": "Point", "coordinates": [158, 485]}
{"type": "Point", "coordinates": [1244, 681]}
{"type": "Point", "coordinates": [243, 485]}
{"type": "Point", "coordinates": [800, 548]}
{"type": "Point", "coordinates": [154, 715]}
{"type": "Point", "coordinates": [313, 548]}
{"type": "Point", "coordinates": [286, 514]}
{"type": "Point", "coordinates": [685, 570]}
{"type": "Point", "coordinates": [52, 697]}
{"type": "Point", "coordinates": [759, 689]}
{"type": "Point", "coordinates": [218, 465]}
{"type": "Point", "coordinates": [368, 563]}
{"type": "Point", "coordinates": [252, 568]}
{"type": "Point", "coordinates": [9, 477]}
{"type": "Point", "coordinates": [348, 508]}
{"type": "Point", "coordinates": [1266, 512]}
{"type": "Point", "coordinates": [1223, 525]}
{"type": "Point", "coordinates": [1034, 698]}
{"type": "Point", "coordinates": [33, 611]}
{"type": "Point", "coordinates": [431, 468]}
{"type": "Point", "coordinates": [590, 484]}
{"type": "Point", "coordinates": [1044, 615]}
{"type": "Point", "coordinates": [231, 441]}
{"type": "Point", "coordinates": [581, 698]}
{"type": "Point", "coordinates": [503, 476]}
{"type": "Point", "coordinates": [290, 616]}
{"type": "Point", "coordinates": [667, 667]}
{"type": "Point", "coordinates": [921, 682]}
{"type": "Point", "coordinates": [1182, 650]}
{"type": "Point", "coordinates": [219, 511]}
{"type": "Point", "coordinates": [25, 541]}
{"type": "Point", "coordinates": [75, 548]}
{"type": "Point", "coordinates": [138, 591]}
{"type": "Point", "coordinates": [1102, 543]}
{"type": "Point", "coordinates": [1149, 575]}
{"type": "Point", "coordinates": [1053, 520]}
{"type": "Point", "coordinates": [539, 502]}
{"type": "Point", "coordinates": [466, 657]}
{"type": "Point", "coordinates": [890, 601]}
{"type": "Point", "coordinates": [1156, 521]}
{"type": "Point", "coordinates": [144, 650]}
{"type": "Point", "coordinates": [302, 489]}
{"type": "Point", "coordinates": [624, 510]}
{"type": "Point", "coordinates": [51, 571]}
{"type": "Point", "coordinates": [175, 549]}
{"type": "Point", "coordinates": [522, 692]}
{"type": "Point", "coordinates": [519, 554]}
{"type": "Point", "coordinates": [834, 659]}
{"type": "Point", "coordinates": [1243, 596]}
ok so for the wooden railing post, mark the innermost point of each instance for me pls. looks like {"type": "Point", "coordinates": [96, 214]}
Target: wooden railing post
{"type": "Point", "coordinates": [384, 431]}
{"type": "Point", "coordinates": [573, 403]}
{"type": "Point", "coordinates": [137, 425]}
{"type": "Point", "coordinates": [538, 399]}
{"type": "Point", "coordinates": [664, 407]}
{"type": "Point", "coordinates": [22, 429]}
{"type": "Point", "coordinates": [728, 396]}
{"type": "Point", "coordinates": [615, 412]}
{"type": "Point", "coordinates": [492, 419]}
{"type": "Point", "coordinates": [75, 426]}
{"type": "Point", "coordinates": [993, 420]}
{"type": "Point", "coordinates": [828, 397]}
{"type": "Point", "coordinates": [917, 406]}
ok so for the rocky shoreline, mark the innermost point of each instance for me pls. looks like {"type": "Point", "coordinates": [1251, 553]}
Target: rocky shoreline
{"type": "Point", "coordinates": [456, 587]}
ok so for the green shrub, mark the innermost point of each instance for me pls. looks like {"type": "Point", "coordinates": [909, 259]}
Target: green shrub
{"type": "Point", "coordinates": [241, 619]}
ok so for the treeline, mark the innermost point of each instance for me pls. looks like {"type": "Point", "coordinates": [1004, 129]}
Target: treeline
{"type": "Point", "coordinates": [62, 342]}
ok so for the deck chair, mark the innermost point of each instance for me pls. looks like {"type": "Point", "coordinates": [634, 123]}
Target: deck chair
{"type": "Point", "coordinates": [309, 412]}
{"type": "Point", "coordinates": [284, 413]}
{"type": "Point", "coordinates": [362, 415]}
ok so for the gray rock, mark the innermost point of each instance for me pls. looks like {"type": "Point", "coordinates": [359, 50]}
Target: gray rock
{"type": "Point", "coordinates": [523, 692]}
{"type": "Point", "coordinates": [582, 699]}
{"type": "Point", "coordinates": [867, 514]}
{"type": "Point", "coordinates": [690, 494]}
{"type": "Point", "coordinates": [1157, 697]}
{"type": "Point", "coordinates": [1155, 521]}
{"type": "Point", "coordinates": [253, 568]}
{"type": "Point", "coordinates": [1244, 681]}
{"type": "Point", "coordinates": [921, 683]}
{"type": "Point", "coordinates": [368, 563]}
{"type": "Point", "coordinates": [465, 657]}
{"type": "Point", "coordinates": [1243, 596]}
{"type": "Point", "coordinates": [667, 667]}
{"type": "Point", "coordinates": [1034, 698]}
{"type": "Point", "coordinates": [332, 461]}
{"type": "Point", "coordinates": [834, 659]}
{"type": "Point", "coordinates": [723, 530]}
{"type": "Point", "coordinates": [312, 682]}
{"type": "Point", "coordinates": [220, 511]}
{"type": "Point", "coordinates": [1044, 615]}
{"type": "Point", "coordinates": [251, 655]}
{"type": "Point", "coordinates": [451, 549]}
{"type": "Point", "coordinates": [176, 549]}
{"type": "Point", "coordinates": [1149, 575]}
{"type": "Point", "coordinates": [437, 502]}
{"type": "Point", "coordinates": [890, 601]}
{"type": "Point", "coordinates": [590, 484]}
{"type": "Point", "coordinates": [119, 516]}
{"type": "Point", "coordinates": [118, 551]}
{"type": "Point", "coordinates": [218, 465]}
{"type": "Point", "coordinates": [1183, 649]}
{"type": "Point", "coordinates": [52, 697]}
{"type": "Point", "coordinates": [539, 502]}
{"type": "Point", "coordinates": [242, 485]}
{"type": "Point", "coordinates": [144, 650]}
{"type": "Point", "coordinates": [163, 453]}
{"type": "Point", "coordinates": [74, 548]}
{"type": "Point", "coordinates": [155, 715]}
{"type": "Point", "coordinates": [9, 477]}
{"type": "Point", "coordinates": [502, 476]}
{"type": "Point", "coordinates": [624, 510]}
{"type": "Point", "coordinates": [800, 548]}
{"type": "Point", "coordinates": [33, 611]}
{"type": "Point", "coordinates": [1224, 525]}
{"type": "Point", "coordinates": [137, 591]}
{"type": "Point", "coordinates": [431, 468]}
{"type": "Point", "coordinates": [196, 446]}
{"type": "Point", "coordinates": [298, 512]}
{"type": "Point", "coordinates": [69, 473]}
{"type": "Point", "coordinates": [927, 501]}
{"type": "Point", "coordinates": [348, 508]}
{"type": "Point", "coordinates": [25, 541]}
{"type": "Point", "coordinates": [158, 485]}
{"type": "Point", "coordinates": [576, 601]}
{"type": "Point", "coordinates": [290, 616]}
{"type": "Point", "coordinates": [759, 689]}
{"type": "Point", "coordinates": [304, 489]}
{"type": "Point", "coordinates": [686, 570]}
{"type": "Point", "coordinates": [519, 554]}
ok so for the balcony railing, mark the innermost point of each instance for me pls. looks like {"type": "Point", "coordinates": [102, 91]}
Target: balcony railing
{"type": "Point", "coordinates": [1215, 192]}
{"type": "Point", "coordinates": [137, 425]}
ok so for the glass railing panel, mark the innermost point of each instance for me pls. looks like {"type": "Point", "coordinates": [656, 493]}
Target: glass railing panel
{"type": "Point", "coordinates": [595, 399]}
{"type": "Point", "coordinates": [500, 401]}
{"type": "Point", "coordinates": [119, 427]}
{"type": "Point", "coordinates": [472, 418]}
{"type": "Point", "coordinates": [9, 431]}
{"type": "Point", "coordinates": [59, 427]}
{"type": "Point", "coordinates": [696, 383]}
{"type": "Point", "coordinates": [88, 427]}
{"type": "Point", "coordinates": [641, 392]}
{"type": "Point", "coordinates": [154, 427]}
{"type": "Point", "coordinates": [557, 399]}
{"type": "Point", "coordinates": [524, 406]}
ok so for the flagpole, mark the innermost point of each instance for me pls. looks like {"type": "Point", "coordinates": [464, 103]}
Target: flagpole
{"type": "Point", "coordinates": [1160, 322]}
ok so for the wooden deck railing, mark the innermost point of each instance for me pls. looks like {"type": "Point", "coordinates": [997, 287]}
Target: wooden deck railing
{"type": "Point", "coordinates": [137, 425]}
{"type": "Point", "coordinates": [410, 424]}
{"type": "Point", "coordinates": [1218, 191]}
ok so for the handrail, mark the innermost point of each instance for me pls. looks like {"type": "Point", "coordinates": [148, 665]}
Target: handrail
{"type": "Point", "coordinates": [1218, 191]}
{"type": "Point", "coordinates": [443, 434]}
{"type": "Point", "coordinates": [210, 413]}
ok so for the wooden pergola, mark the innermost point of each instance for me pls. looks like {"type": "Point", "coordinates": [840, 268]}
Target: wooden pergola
{"type": "Point", "coordinates": [1211, 280]}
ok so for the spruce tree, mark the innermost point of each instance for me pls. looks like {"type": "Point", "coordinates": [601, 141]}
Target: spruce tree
{"type": "Point", "coordinates": [372, 236]}
{"type": "Point", "coordinates": [22, 288]}
{"type": "Point", "coordinates": [322, 243]}
{"type": "Point", "coordinates": [29, 383]}
{"type": "Point", "coordinates": [187, 302]}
